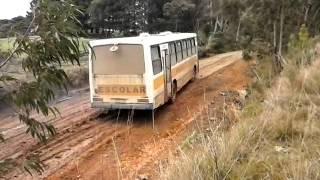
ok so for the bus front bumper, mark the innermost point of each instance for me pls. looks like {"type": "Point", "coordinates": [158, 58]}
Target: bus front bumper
{"type": "Point", "coordinates": [112, 106]}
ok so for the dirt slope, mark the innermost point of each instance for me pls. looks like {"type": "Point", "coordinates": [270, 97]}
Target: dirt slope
{"type": "Point", "coordinates": [123, 145]}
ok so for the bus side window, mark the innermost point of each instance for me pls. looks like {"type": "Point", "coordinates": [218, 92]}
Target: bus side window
{"type": "Point", "coordinates": [189, 47]}
{"type": "Point", "coordinates": [173, 54]}
{"type": "Point", "coordinates": [156, 60]}
{"type": "Point", "coordinates": [184, 49]}
{"type": "Point", "coordinates": [179, 51]}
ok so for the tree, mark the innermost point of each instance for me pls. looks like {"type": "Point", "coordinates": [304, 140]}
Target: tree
{"type": "Point", "coordinates": [179, 11]}
{"type": "Point", "coordinates": [127, 17]}
{"type": "Point", "coordinates": [56, 43]}
{"type": "Point", "coordinates": [156, 20]}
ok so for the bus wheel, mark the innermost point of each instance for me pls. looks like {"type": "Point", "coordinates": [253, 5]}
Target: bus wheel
{"type": "Point", "coordinates": [174, 93]}
{"type": "Point", "coordinates": [194, 75]}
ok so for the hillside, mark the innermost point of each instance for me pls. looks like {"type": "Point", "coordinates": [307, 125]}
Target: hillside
{"type": "Point", "coordinates": [276, 137]}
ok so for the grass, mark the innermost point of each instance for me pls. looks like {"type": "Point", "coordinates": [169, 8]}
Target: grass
{"type": "Point", "coordinates": [279, 139]}
{"type": "Point", "coordinates": [6, 44]}
{"type": "Point", "coordinates": [78, 75]}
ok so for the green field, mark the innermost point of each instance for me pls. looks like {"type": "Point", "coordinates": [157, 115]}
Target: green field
{"type": "Point", "coordinates": [6, 44]}
{"type": "Point", "coordinates": [14, 68]}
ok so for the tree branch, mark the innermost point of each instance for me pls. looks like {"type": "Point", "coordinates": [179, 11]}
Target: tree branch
{"type": "Point", "coordinates": [2, 64]}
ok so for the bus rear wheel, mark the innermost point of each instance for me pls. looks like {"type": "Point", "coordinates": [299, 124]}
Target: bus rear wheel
{"type": "Point", "coordinates": [174, 93]}
{"type": "Point", "coordinates": [194, 74]}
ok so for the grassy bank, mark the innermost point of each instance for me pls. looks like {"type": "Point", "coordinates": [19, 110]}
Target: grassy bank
{"type": "Point", "coordinates": [276, 137]}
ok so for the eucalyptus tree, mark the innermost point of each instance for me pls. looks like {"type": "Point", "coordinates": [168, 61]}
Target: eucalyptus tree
{"type": "Point", "coordinates": [178, 11]}
{"type": "Point", "coordinates": [156, 19]}
{"type": "Point", "coordinates": [127, 17]}
{"type": "Point", "coordinates": [56, 42]}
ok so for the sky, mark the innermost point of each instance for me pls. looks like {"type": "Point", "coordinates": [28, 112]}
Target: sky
{"type": "Point", "coordinates": [13, 8]}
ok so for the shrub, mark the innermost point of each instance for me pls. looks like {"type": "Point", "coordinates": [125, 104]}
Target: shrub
{"type": "Point", "coordinates": [78, 76]}
{"type": "Point", "coordinates": [220, 43]}
{"type": "Point", "coordinates": [247, 55]}
{"type": "Point", "coordinates": [202, 52]}
{"type": "Point", "coordinates": [280, 141]}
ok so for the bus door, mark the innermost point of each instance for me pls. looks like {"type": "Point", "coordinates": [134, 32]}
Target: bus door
{"type": "Point", "coordinates": [164, 48]}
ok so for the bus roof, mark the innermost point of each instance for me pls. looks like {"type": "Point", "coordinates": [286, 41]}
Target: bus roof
{"type": "Point", "coordinates": [145, 39]}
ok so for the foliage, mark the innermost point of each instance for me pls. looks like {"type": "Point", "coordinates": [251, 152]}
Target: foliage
{"type": "Point", "coordinates": [57, 41]}
{"type": "Point", "coordinates": [6, 166]}
{"type": "Point", "coordinates": [276, 140]}
{"type": "Point", "coordinates": [33, 163]}
{"type": "Point", "coordinates": [300, 42]}
{"type": "Point", "coordinates": [220, 43]}
{"type": "Point", "coordinates": [15, 25]}
{"type": "Point", "coordinates": [118, 16]}
{"type": "Point", "coordinates": [178, 11]}
{"type": "Point", "coordinates": [203, 52]}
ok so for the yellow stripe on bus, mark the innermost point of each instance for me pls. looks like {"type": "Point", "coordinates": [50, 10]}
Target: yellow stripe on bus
{"type": "Point", "coordinates": [177, 73]}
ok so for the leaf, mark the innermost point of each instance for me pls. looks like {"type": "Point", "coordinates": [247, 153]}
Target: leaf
{"type": "Point", "coordinates": [33, 163]}
{"type": "Point", "coordinates": [55, 25]}
{"type": "Point", "coordinates": [7, 78]}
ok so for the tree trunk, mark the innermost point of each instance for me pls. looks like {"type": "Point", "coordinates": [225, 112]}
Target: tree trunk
{"type": "Point", "coordinates": [211, 13]}
{"type": "Point", "coordinates": [279, 55]}
{"type": "Point", "coordinates": [197, 25]}
{"type": "Point", "coordinates": [216, 25]}
{"type": "Point", "coordinates": [306, 14]}
{"type": "Point", "coordinates": [238, 30]}
{"type": "Point", "coordinates": [276, 61]}
{"type": "Point", "coordinates": [281, 31]}
{"type": "Point", "coordinates": [275, 37]}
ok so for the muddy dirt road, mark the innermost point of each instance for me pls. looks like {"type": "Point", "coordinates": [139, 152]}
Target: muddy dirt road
{"type": "Point", "coordinates": [121, 144]}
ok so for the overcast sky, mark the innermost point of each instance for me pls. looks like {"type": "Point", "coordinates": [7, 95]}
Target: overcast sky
{"type": "Point", "coordinates": [13, 8]}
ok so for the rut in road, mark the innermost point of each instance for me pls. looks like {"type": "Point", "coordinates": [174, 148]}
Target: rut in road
{"type": "Point", "coordinates": [141, 149]}
{"type": "Point", "coordinates": [17, 143]}
{"type": "Point", "coordinates": [122, 145]}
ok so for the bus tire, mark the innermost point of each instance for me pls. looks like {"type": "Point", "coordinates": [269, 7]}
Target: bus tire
{"type": "Point", "coordinates": [194, 74]}
{"type": "Point", "coordinates": [174, 93]}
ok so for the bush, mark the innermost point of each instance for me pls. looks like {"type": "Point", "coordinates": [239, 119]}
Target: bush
{"type": "Point", "coordinates": [221, 43]}
{"type": "Point", "coordinates": [79, 77]}
{"type": "Point", "coordinates": [277, 140]}
{"type": "Point", "coordinates": [202, 52]}
{"type": "Point", "coordinates": [247, 54]}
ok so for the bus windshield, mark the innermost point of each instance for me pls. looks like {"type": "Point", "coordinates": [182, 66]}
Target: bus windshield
{"type": "Point", "coordinates": [124, 59]}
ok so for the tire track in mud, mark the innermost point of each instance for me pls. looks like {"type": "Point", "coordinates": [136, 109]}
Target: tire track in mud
{"type": "Point", "coordinates": [122, 145]}
{"type": "Point", "coordinates": [72, 142]}
{"type": "Point", "coordinates": [18, 144]}
{"type": "Point", "coordinates": [140, 150]}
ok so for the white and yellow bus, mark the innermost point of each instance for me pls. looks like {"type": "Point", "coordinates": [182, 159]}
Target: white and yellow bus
{"type": "Point", "coordinates": [142, 72]}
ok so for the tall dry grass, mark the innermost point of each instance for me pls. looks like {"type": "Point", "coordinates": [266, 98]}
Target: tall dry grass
{"type": "Point", "coordinates": [282, 141]}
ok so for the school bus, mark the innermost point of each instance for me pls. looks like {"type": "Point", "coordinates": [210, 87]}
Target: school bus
{"type": "Point", "coordinates": [142, 72]}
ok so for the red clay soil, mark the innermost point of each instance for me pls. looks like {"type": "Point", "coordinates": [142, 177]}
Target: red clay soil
{"type": "Point", "coordinates": [124, 145]}
{"type": "Point", "coordinates": [141, 149]}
